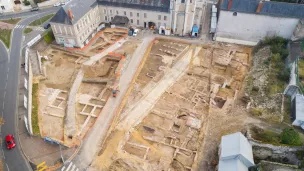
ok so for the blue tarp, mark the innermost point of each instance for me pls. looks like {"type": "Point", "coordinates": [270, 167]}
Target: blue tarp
{"type": "Point", "coordinates": [195, 29]}
{"type": "Point", "coordinates": [194, 32]}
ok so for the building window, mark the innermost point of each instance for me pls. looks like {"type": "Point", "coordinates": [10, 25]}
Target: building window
{"type": "Point", "coordinates": [131, 14]}
{"type": "Point", "coordinates": [137, 22]}
{"type": "Point", "coordinates": [104, 11]}
{"type": "Point", "coordinates": [145, 15]}
{"type": "Point", "coordinates": [2, 7]}
{"type": "Point", "coordinates": [125, 13]}
{"type": "Point", "coordinates": [111, 18]}
{"type": "Point", "coordinates": [159, 17]}
{"type": "Point", "coordinates": [106, 18]}
{"type": "Point", "coordinates": [137, 14]}
{"type": "Point", "coordinates": [165, 18]}
{"type": "Point", "coordinates": [190, 1]}
{"type": "Point", "coordinates": [110, 11]}
{"type": "Point", "coordinates": [235, 14]}
{"type": "Point", "coordinates": [183, 1]}
{"type": "Point", "coordinates": [132, 21]}
{"type": "Point", "coordinates": [117, 12]}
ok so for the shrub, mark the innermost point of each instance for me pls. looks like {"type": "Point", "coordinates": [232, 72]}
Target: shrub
{"type": "Point", "coordinates": [284, 75]}
{"type": "Point", "coordinates": [291, 137]}
{"type": "Point", "coordinates": [26, 3]}
{"type": "Point", "coordinates": [275, 40]}
{"type": "Point", "coordinates": [27, 30]}
{"type": "Point", "coordinates": [49, 37]}
{"type": "Point", "coordinates": [255, 88]}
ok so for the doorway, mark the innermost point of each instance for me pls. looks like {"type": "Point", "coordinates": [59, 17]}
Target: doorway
{"type": "Point", "coordinates": [145, 25]}
{"type": "Point", "coordinates": [151, 25]}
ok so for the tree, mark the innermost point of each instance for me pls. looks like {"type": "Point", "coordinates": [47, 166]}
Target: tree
{"type": "Point", "coordinates": [291, 137]}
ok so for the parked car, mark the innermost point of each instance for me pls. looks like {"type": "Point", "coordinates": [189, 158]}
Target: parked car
{"type": "Point", "coordinates": [47, 26]}
{"type": "Point", "coordinates": [62, 3]}
{"type": "Point", "coordinates": [135, 32]}
{"type": "Point", "coordinates": [57, 4]}
{"type": "Point", "coordinates": [35, 9]}
{"type": "Point", "coordinates": [10, 141]}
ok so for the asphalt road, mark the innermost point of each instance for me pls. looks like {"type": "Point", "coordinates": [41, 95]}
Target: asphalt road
{"type": "Point", "coordinates": [9, 79]}
{"type": "Point", "coordinates": [29, 13]}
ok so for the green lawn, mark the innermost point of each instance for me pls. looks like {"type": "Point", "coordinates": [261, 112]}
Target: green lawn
{"type": "Point", "coordinates": [27, 30]}
{"type": "Point", "coordinates": [5, 36]}
{"type": "Point", "coordinates": [35, 101]}
{"type": "Point", "coordinates": [41, 20]}
{"type": "Point", "coordinates": [301, 69]}
{"type": "Point", "coordinates": [12, 20]}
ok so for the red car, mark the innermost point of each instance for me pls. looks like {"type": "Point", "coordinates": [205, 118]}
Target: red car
{"type": "Point", "coordinates": [10, 141]}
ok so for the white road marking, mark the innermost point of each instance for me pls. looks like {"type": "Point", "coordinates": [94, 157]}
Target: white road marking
{"type": "Point", "coordinates": [69, 166]}
{"type": "Point", "coordinates": [7, 167]}
{"type": "Point", "coordinates": [4, 94]}
{"type": "Point", "coordinates": [6, 76]}
{"type": "Point", "coordinates": [5, 85]}
{"type": "Point", "coordinates": [3, 105]}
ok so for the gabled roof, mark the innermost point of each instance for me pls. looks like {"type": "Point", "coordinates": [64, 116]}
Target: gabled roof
{"type": "Point", "coordinates": [61, 17]}
{"type": "Point", "coordinates": [272, 8]}
{"type": "Point", "coordinates": [78, 8]}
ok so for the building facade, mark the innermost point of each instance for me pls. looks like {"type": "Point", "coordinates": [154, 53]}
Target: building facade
{"type": "Point", "coordinates": [77, 22]}
{"type": "Point", "coordinates": [6, 6]}
{"type": "Point", "coordinates": [249, 21]}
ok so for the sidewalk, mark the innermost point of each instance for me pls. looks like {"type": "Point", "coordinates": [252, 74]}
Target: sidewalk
{"type": "Point", "coordinates": [36, 149]}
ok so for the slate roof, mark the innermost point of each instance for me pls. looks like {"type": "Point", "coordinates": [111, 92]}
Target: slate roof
{"type": "Point", "coordinates": [152, 5]}
{"type": "Point", "coordinates": [78, 7]}
{"type": "Point", "coordinates": [272, 8]}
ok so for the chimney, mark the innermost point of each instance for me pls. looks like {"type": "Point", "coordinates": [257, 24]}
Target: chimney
{"type": "Point", "coordinates": [70, 14]}
{"type": "Point", "coordinates": [229, 4]}
{"type": "Point", "coordinates": [260, 6]}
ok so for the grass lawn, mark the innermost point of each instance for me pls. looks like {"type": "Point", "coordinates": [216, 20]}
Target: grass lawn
{"type": "Point", "coordinates": [5, 36]}
{"type": "Point", "coordinates": [301, 69]}
{"type": "Point", "coordinates": [27, 30]}
{"type": "Point", "coordinates": [12, 20]}
{"type": "Point", "coordinates": [35, 101]}
{"type": "Point", "coordinates": [41, 20]}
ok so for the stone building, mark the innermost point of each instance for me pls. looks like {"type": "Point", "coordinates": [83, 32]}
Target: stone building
{"type": "Point", "coordinates": [249, 21]}
{"type": "Point", "coordinates": [78, 21]}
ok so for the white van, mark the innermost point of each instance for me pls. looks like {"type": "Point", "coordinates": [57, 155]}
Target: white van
{"type": "Point", "coordinates": [135, 32]}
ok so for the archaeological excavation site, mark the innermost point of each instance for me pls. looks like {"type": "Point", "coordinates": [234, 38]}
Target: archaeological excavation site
{"type": "Point", "coordinates": [166, 117]}
{"type": "Point", "coordinates": [74, 85]}
{"type": "Point", "coordinates": [137, 104]}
